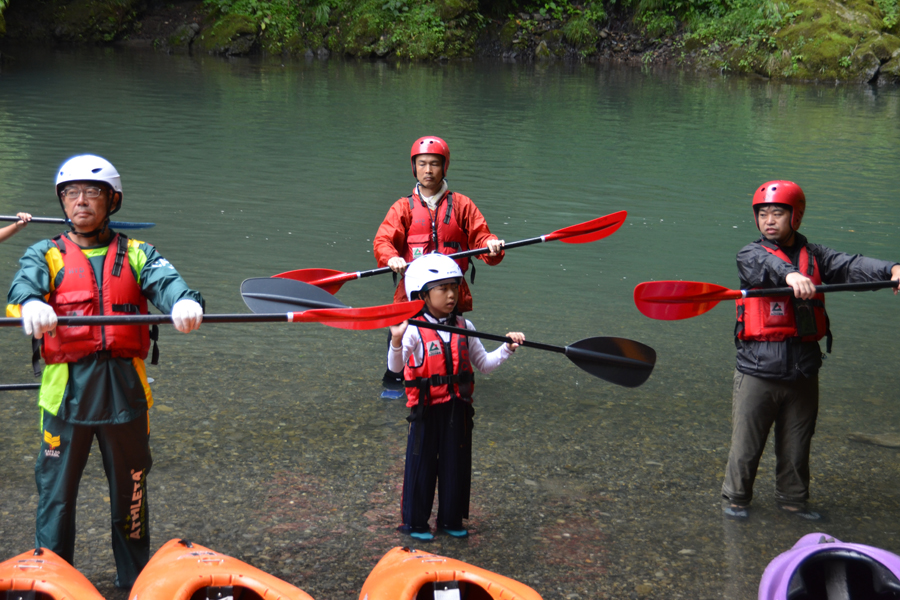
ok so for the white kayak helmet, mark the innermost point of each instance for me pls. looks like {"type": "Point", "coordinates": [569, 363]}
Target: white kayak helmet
{"type": "Point", "coordinates": [88, 167]}
{"type": "Point", "coordinates": [428, 270]}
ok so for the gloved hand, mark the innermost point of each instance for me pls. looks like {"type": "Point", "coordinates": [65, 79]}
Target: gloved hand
{"type": "Point", "coordinates": [38, 318]}
{"type": "Point", "coordinates": [187, 315]}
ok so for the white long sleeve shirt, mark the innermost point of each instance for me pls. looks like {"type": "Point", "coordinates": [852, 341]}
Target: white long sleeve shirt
{"type": "Point", "coordinates": [411, 345]}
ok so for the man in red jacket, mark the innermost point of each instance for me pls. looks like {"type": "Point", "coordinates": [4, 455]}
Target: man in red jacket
{"type": "Point", "coordinates": [432, 219]}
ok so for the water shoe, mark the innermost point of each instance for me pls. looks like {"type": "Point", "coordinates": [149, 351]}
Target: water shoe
{"type": "Point", "coordinates": [423, 536]}
{"type": "Point", "coordinates": [801, 512]}
{"type": "Point", "coordinates": [736, 512]}
{"type": "Point", "coordinates": [392, 394]}
{"type": "Point", "coordinates": [457, 533]}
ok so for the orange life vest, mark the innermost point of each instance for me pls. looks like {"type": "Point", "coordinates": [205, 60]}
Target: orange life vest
{"type": "Point", "coordinates": [772, 318]}
{"type": "Point", "coordinates": [429, 233]}
{"type": "Point", "coordinates": [445, 372]}
{"type": "Point", "coordinates": [77, 295]}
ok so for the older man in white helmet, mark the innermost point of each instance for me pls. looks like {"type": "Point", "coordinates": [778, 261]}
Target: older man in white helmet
{"type": "Point", "coordinates": [95, 382]}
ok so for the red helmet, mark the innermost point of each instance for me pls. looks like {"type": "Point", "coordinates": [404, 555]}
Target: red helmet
{"type": "Point", "coordinates": [781, 192]}
{"type": "Point", "coordinates": [429, 145]}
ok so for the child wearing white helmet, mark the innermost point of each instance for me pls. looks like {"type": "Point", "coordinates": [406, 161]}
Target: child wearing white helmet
{"type": "Point", "coordinates": [437, 372]}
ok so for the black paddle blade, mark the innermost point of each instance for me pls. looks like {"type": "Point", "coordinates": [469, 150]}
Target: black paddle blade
{"type": "Point", "coordinates": [617, 360]}
{"type": "Point", "coordinates": [276, 295]}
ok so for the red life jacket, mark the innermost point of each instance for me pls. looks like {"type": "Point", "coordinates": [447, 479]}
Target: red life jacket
{"type": "Point", "coordinates": [77, 295]}
{"type": "Point", "coordinates": [429, 233]}
{"type": "Point", "coordinates": [445, 372]}
{"type": "Point", "coordinates": [772, 318]}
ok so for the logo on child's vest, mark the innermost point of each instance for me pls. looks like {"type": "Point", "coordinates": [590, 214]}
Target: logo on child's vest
{"type": "Point", "coordinates": [776, 309]}
{"type": "Point", "coordinates": [417, 252]}
{"type": "Point", "coordinates": [434, 349]}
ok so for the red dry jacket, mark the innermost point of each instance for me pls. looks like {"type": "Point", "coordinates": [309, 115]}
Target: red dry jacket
{"type": "Point", "coordinates": [439, 232]}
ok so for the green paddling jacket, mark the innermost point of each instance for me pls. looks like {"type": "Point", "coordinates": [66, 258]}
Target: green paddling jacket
{"type": "Point", "coordinates": [98, 389]}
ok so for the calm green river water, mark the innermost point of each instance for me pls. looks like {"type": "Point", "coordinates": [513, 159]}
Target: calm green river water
{"type": "Point", "coordinates": [270, 441]}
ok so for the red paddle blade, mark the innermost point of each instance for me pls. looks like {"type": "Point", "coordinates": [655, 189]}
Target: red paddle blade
{"type": "Point", "coordinates": [327, 279]}
{"type": "Point", "coordinates": [589, 231]}
{"type": "Point", "coordinates": [674, 300]}
{"type": "Point", "coordinates": [370, 317]}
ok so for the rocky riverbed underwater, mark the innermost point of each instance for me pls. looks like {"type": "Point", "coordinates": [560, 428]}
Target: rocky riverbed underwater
{"type": "Point", "coordinates": [301, 478]}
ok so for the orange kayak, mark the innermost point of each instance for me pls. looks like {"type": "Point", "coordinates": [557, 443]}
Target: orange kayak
{"type": "Point", "coordinates": [44, 572]}
{"type": "Point", "coordinates": [180, 569]}
{"type": "Point", "coordinates": [403, 573]}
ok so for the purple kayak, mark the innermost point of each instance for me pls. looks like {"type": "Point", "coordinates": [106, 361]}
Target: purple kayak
{"type": "Point", "coordinates": [820, 567]}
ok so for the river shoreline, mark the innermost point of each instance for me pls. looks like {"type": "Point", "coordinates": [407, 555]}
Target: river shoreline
{"type": "Point", "coordinates": [795, 50]}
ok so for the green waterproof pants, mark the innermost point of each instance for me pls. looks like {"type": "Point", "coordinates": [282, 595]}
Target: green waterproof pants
{"type": "Point", "coordinates": [125, 449]}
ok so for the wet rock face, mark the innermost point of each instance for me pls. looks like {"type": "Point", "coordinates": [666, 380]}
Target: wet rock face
{"type": "Point", "coordinates": [451, 9]}
{"type": "Point", "coordinates": [232, 35]}
{"type": "Point", "coordinates": [890, 71]}
{"type": "Point", "coordinates": [183, 37]}
{"type": "Point", "coordinates": [79, 21]}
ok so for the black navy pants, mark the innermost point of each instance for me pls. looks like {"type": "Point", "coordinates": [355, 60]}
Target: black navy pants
{"type": "Point", "coordinates": [125, 449]}
{"type": "Point", "coordinates": [438, 451]}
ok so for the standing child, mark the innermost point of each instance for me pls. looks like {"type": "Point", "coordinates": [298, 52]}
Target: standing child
{"type": "Point", "coordinates": [437, 373]}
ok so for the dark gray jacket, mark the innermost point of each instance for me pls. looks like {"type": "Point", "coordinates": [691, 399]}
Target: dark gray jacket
{"type": "Point", "coordinates": [758, 268]}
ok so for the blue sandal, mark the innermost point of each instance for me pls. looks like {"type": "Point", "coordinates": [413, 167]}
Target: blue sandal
{"type": "Point", "coordinates": [736, 512]}
{"type": "Point", "coordinates": [457, 533]}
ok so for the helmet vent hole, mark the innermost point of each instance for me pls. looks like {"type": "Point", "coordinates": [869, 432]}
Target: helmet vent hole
{"type": "Point", "coordinates": [433, 270]}
{"type": "Point", "coordinates": [97, 170]}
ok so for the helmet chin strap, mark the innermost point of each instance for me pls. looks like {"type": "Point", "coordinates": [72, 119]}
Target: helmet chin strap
{"type": "Point", "coordinates": [95, 232]}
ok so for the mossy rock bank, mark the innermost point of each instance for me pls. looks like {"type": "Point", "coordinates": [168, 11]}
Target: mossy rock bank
{"type": "Point", "coordinates": [74, 22]}
{"type": "Point", "coordinates": [230, 35]}
{"type": "Point", "coordinates": [810, 40]}
{"type": "Point", "coordinates": [821, 40]}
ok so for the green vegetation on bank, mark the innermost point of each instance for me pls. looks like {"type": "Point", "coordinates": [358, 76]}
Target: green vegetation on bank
{"type": "Point", "coordinates": [408, 29]}
{"type": "Point", "coordinates": [850, 40]}
{"type": "Point", "coordinates": [3, 4]}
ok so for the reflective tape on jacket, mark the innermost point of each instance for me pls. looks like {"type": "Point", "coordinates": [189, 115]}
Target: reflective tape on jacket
{"type": "Point", "coordinates": [78, 295]}
{"type": "Point", "coordinates": [773, 318]}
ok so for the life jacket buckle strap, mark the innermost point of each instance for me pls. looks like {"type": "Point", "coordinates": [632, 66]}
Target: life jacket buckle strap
{"type": "Point", "coordinates": [449, 208]}
{"type": "Point", "coordinates": [126, 308]}
{"type": "Point", "coordinates": [121, 253]}
{"type": "Point", "coordinates": [154, 336]}
{"type": "Point", "coordinates": [36, 356]}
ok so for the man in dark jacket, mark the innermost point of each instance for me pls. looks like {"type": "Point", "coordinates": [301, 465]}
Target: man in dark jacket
{"type": "Point", "coordinates": [776, 378]}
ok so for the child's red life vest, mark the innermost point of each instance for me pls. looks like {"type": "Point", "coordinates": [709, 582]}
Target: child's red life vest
{"type": "Point", "coordinates": [771, 318]}
{"type": "Point", "coordinates": [78, 295]}
{"type": "Point", "coordinates": [439, 233]}
{"type": "Point", "coordinates": [445, 372]}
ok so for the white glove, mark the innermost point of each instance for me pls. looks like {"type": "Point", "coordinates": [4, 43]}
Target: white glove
{"type": "Point", "coordinates": [187, 315]}
{"type": "Point", "coordinates": [38, 318]}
